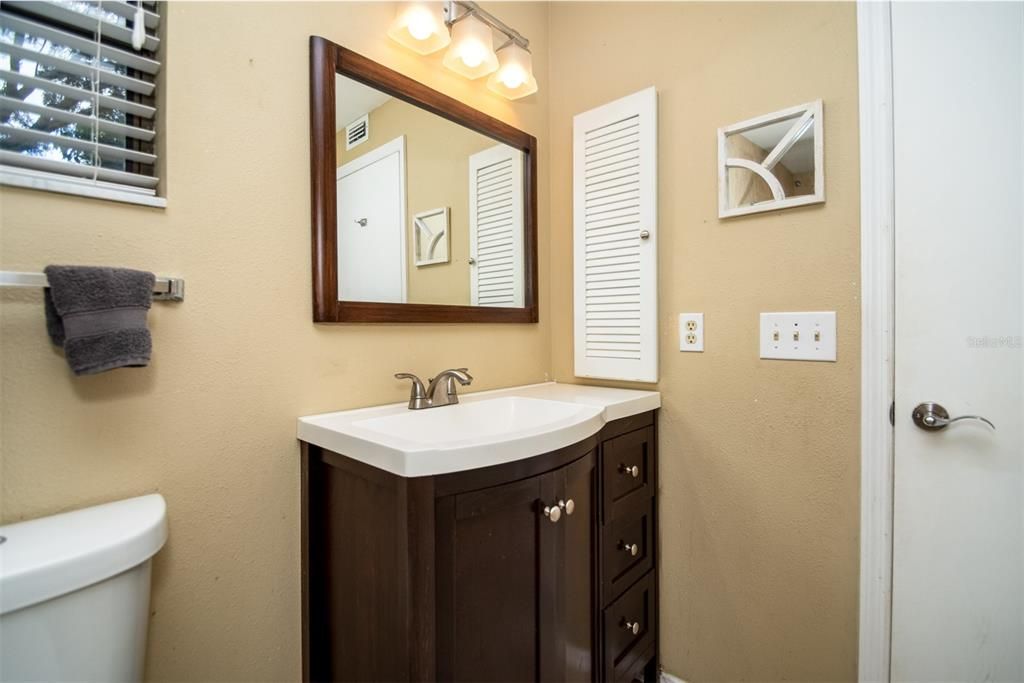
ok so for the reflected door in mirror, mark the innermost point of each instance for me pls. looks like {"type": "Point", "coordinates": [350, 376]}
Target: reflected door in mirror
{"type": "Point", "coordinates": [371, 238]}
{"type": "Point", "coordinates": [496, 227]}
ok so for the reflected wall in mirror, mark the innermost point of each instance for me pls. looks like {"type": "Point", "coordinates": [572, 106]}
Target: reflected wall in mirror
{"type": "Point", "coordinates": [396, 164]}
{"type": "Point", "coordinates": [424, 209]}
{"type": "Point", "coordinates": [772, 162]}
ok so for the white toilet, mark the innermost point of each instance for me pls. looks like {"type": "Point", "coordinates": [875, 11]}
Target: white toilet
{"type": "Point", "coordinates": [74, 592]}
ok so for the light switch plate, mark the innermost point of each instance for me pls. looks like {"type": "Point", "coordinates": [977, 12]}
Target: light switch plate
{"type": "Point", "coordinates": [799, 336]}
{"type": "Point", "coordinates": [691, 331]}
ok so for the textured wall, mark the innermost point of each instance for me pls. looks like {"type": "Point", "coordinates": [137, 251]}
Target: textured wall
{"type": "Point", "coordinates": [211, 423]}
{"type": "Point", "coordinates": [759, 476]}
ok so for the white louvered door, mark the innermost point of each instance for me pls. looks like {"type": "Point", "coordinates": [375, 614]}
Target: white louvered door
{"type": "Point", "coordinates": [615, 237]}
{"type": "Point", "coordinates": [496, 227]}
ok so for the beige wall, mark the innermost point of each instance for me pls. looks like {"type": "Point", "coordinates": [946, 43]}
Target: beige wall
{"type": "Point", "coordinates": [437, 175]}
{"type": "Point", "coordinates": [759, 467]}
{"type": "Point", "coordinates": [211, 423]}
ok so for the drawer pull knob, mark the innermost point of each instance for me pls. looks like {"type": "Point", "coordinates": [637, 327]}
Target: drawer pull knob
{"type": "Point", "coordinates": [633, 471]}
{"type": "Point", "coordinates": [567, 505]}
{"type": "Point", "coordinates": [632, 626]}
{"type": "Point", "coordinates": [631, 548]}
{"type": "Point", "coordinates": [553, 512]}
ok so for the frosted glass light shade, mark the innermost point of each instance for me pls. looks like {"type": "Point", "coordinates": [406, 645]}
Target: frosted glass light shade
{"type": "Point", "coordinates": [420, 27]}
{"type": "Point", "coordinates": [472, 50]}
{"type": "Point", "coordinates": [514, 77]}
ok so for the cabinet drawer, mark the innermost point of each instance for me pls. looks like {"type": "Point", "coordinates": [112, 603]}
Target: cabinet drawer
{"type": "Point", "coordinates": [622, 647]}
{"type": "Point", "coordinates": [627, 548]}
{"type": "Point", "coordinates": [627, 470]}
{"type": "Point", "coordinates": [635, 671]}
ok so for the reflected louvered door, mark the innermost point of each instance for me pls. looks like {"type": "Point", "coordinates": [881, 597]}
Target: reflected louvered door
{"type": "Point", "coordinates": [615, 240]}
{"type": "Point", "coordinates": [496, 227]}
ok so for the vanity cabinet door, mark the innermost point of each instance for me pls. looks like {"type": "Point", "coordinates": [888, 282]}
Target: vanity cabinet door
{"type": "Point", "coordinates": [575, 618]}
{"type": "Point", "coordinates": [515, 590]}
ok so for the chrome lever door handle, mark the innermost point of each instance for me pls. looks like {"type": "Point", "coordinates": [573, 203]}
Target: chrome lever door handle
{"type": "Point", "coordinates": [932, 417]}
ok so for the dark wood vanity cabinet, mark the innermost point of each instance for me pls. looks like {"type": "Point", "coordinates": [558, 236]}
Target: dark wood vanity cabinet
{"type": "Point", "coordinates": [466, 577]}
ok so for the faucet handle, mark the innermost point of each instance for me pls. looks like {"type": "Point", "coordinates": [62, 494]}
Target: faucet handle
{"type": "Point", "coordinates": [418, 394]}
{"type": "Point", "coordinates": [460, 374]}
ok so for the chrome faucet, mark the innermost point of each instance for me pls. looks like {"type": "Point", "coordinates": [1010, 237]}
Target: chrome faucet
{"type": "Point", "coordinates": [420, 397]}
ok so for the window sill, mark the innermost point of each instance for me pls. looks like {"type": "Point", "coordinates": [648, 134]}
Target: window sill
{"type": "Point", "coordinates": [49, 182]}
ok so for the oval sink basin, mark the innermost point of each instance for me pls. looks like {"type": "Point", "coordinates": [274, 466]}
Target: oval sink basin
{"type": "Point", "coordinates": [478, 422]}
{"type": "Point", "coordinates": [484, 429]}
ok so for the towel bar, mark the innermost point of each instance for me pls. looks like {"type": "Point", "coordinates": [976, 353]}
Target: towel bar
{"type": "Point", "coordinates": [165, 289]}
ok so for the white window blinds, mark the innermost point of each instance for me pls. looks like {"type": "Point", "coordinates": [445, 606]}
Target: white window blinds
{"type": "Point", "coordinates": [615, 228]}
{"type": "Point", "coordinates": [77, 84]}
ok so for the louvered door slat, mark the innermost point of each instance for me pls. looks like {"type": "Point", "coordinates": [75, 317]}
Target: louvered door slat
{"type": "Point", "coordinates": [614, 229]}
{"type": "Point", "coordinates": [496, 227]}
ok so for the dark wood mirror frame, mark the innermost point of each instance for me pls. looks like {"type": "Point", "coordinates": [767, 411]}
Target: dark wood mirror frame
{"type": "Point", "coordinates": [328, 59]}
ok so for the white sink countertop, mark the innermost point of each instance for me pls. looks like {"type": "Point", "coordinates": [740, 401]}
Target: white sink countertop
{"type": "Point", "coordinates": [485, 428]}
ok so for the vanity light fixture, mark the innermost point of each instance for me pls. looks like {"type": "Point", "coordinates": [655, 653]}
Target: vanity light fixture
{"type": "Point", "coordinates": [420, 26]}
{"type": "Point", "coordinates": [472, 50]}
{"type": "Point", "coordinates": [514, 77]}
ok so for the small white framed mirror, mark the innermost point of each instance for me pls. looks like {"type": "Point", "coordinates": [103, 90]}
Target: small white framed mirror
{"type": "Point", "coordinates": [430, 236]}
{"type": "Point", "coordinates": [772, 162]}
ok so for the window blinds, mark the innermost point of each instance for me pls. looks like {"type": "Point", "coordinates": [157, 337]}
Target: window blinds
{"type": "Point", "coordinates": [77, 84]}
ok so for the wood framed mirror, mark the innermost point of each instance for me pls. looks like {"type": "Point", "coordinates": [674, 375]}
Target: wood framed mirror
{"type": "Point", "coordinates": [384, 151]}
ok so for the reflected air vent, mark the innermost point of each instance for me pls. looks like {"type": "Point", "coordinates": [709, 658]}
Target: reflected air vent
{"type": "Point", "coordinates": [357, 132]}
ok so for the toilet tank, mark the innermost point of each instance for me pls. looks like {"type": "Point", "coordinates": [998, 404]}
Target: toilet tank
{"type": "Point", "coordinates": [74, 592]}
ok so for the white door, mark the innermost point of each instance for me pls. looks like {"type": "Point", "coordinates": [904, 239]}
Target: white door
{"type": "Point", "coordinates": [496, 227]}
{"type": "Point", "coordinates": [371, 226]}
{"type": "Point", "coordinates": [615, 239]}
{"type": "Point", "coordinates": [958, 547]}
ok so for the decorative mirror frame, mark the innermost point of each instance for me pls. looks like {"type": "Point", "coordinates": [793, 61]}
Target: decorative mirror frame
{"type": "Point", "coordinates": [328, 59]}
{"type": "Point", "coordinates": [810, 109]}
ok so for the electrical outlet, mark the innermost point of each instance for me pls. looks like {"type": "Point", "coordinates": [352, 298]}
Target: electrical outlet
{"type": "Point", "coordinates": [799, 336]}
{"type": "Point", "coordinates": [691, 331]}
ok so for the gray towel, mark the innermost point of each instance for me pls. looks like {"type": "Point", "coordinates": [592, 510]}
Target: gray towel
{"type": "Point", "coordinates": [99, 316]}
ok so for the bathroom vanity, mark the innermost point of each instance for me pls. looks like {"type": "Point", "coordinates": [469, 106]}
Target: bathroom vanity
{"type": "Point", "coordinates": [511, 537]}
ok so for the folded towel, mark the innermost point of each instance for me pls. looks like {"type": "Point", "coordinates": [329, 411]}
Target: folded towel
{"type": "Point", "coordinates": [99, 316]}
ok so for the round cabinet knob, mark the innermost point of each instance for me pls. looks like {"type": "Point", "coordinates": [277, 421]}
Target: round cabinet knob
{"type": "Point", "coordinates": [631, 548]}
{"type": "Point", "coordinates": [567, 505]}
{"type": "Point", "coordinates": [554, 513]}
{"type": "Point", "coordinates": [644, 234]}
{"type": "Point", "coordinates": [472, 261]}
{"type": "Point", "coordinates": [633, 471]}
{"type": "Point", "coordinates": [632, 626]}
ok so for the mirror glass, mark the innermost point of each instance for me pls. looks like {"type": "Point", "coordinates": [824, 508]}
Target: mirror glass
{"type": "Point", "coordinates": [429, 211]}
{"type": "Point", "coordinates": [772, 162]}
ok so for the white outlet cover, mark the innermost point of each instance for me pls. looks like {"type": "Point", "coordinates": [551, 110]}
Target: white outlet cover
{"type": "Point", "coordinates": [697, 343]}
{"type": "Point", "coordinates": [799, 336]}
